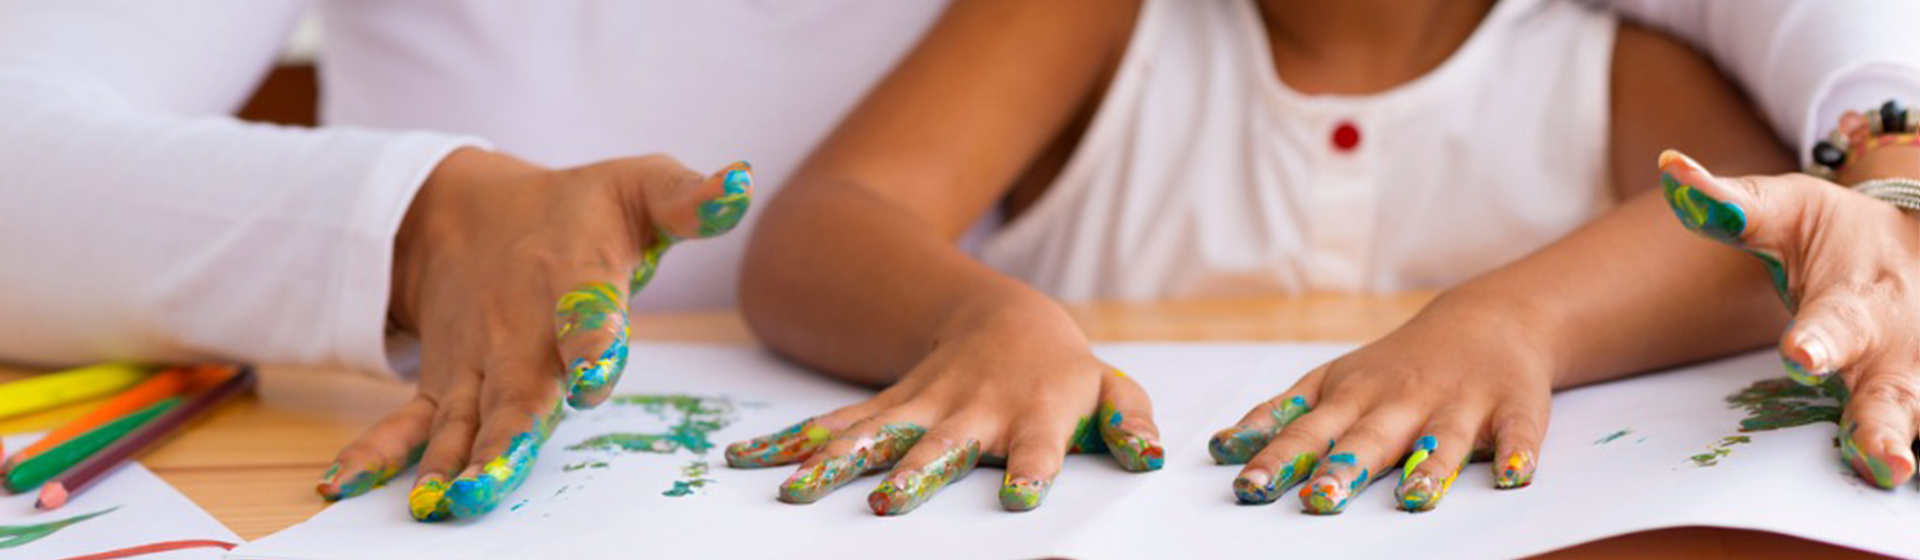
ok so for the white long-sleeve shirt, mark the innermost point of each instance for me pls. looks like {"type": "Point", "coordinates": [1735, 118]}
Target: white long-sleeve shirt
{"type": "Point", "coordinates": [139, 220]}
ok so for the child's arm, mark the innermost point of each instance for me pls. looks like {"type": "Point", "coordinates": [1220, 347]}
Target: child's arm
{"type": "Point", "coordinates": [854, 270]}
{"type": "Point", "coordinates": [1628, 292]}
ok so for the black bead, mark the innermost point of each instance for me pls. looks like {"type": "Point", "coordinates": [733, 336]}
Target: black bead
{"type": "Point", "coordinates": [1825, 153]}
{"type": "Point", "coordinates": [1893, 117]}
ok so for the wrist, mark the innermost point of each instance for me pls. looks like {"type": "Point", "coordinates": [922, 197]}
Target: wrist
{"type": "Point", "coordinates": [432, 218]}
{"type": "Point", "coordinates": [1496, 319]}
{"type": "Point", "coordinates": [1009, 308]}
{"type": "Point", "coordinates": [1885, 163]}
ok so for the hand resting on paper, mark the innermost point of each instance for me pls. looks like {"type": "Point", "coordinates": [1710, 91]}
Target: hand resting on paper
{"type": "Point", "coordinates": [1015, 385]}
{"type": "Point", "coordinates": [1450, 382]}
{"type": "Point", "coordinates": [515, 278]}
{"type": "Point", "coordinates": [1848, 267]}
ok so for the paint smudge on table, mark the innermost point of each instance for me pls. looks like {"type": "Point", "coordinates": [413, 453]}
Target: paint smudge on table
{"type": "Point", "coordinates": [692, 421]}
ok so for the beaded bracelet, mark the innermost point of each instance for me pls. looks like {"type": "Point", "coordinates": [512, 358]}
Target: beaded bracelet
{"type": "Point", "coordinates": [1861, 132]}
{"type": "Point", "coordinates": [1902, 193]}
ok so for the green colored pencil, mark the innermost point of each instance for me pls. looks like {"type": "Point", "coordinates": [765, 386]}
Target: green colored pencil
{"type": "Point", "coordinates": [33, 472]}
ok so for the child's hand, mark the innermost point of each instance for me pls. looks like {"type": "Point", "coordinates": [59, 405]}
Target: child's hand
{"type": "Point", "coordinates": [515, 278]}
{"type": "Point", "coordinates": [1434, 391]}
{"type": "Point", "coordinates": [1848, 267]}
{"type": "Point", "coordinates": [1018, 388]}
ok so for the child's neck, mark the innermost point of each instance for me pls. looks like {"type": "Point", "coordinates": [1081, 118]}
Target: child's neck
{"type": "Point", "coordinates": [1356, 47]}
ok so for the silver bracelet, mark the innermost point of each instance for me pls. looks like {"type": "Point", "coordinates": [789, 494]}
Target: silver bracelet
{"type": "Point", "coordinates": [1902, 193]}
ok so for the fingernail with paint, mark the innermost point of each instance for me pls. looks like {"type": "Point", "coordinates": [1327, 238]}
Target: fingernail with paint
{"type": "Point", "coordinates": [904, 491]}
{"type": "Point", "coordinates": [1023, 494]}
{"type": "Point", "coordinates": [1814, 370]}
{"type": "Point", "coordinates": [792, 444]}
{"type": "Point", "coordinates": [587, 379]}
{"type": "Point", "coordinates": [811, 483]}
{"type": "Point", "coordinates": [325, 487]}
{"type": "Point", "coordinates": [1718, 220]}
{"type": "Point", "coordinates": [1255, 487]}
{"type": "Point", "coordinates": [1339, 479]}
{"type": "Point", "coordinates": [1515, 472]}
{"type": "Point", "coordinates": [1134, 451]}
{"type": "Point", "coordinates": [721, 214]}
{"type": "Point", "coordinates": [1237, 445]}
{"type": "Point", "coordinates": [428, 499]}
{"type": "Point", "coordinates": [1418, 493]}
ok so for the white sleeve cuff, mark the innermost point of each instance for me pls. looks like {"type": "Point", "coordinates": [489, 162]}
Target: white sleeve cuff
{"type": "Point", "coordinates": [366, 264]}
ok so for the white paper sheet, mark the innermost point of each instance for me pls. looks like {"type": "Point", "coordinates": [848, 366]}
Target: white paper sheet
{"type": "Point", "coordinates": [1788, 481]}
{"type": "Point", "coordinates": [129, 510]}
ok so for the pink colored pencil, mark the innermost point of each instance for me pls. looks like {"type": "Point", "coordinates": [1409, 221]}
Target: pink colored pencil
{"type": "Point", "coordinates": [58, 491]}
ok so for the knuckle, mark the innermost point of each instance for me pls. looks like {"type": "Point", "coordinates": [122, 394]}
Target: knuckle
{"type": "Point", "coordinates": [1896, 392]}
{"type": "Point", "coordinates": [1365, 432]}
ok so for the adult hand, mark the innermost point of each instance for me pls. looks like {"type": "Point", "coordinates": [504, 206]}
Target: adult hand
{"type": "Point", "coordinates": [1013, 385]}
{"type": "Point", "coordinates": [516, 277]}
{"type": "Point", "coordinates": [1848, 267]}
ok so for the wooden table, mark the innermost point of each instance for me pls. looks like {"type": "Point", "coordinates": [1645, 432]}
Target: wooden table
{"type": "Point", "coordinates": [254, 464]}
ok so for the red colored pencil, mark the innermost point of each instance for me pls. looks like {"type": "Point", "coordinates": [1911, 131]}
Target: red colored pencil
{"type": "Point", "coordinates": [58, 491]}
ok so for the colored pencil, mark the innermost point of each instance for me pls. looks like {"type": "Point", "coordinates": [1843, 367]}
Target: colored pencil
{"type": "Point", "coordinates": [156, 388]}
{"type": "Point", "coordinates": [31, 473]}
{"type": "Point", "coordinates": [42, 392]}
{"type": "Point", "coordinates": [57, 492]}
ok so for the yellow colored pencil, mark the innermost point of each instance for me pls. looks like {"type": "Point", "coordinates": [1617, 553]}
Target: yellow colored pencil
{"type": "Point", "coordinates": [51, 390]}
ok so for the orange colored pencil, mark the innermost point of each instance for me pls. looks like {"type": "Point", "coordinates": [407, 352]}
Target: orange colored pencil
{"type": "Point", "coordinates": [162, 385]}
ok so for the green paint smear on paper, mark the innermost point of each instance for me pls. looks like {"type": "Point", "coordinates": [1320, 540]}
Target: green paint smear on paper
{"type": "Point", "coordinates": [1719, 450]}
{"type": "Point", "coordinates": [693, 421]}
{"type": "Point", "coordinates": [695, 476]}
{"type": "Point", "coordinates": [19, 535]}
{"type": "Point", "coordinates": [1613, 436]}
{"type": "Point", "coordinates": [1776, 404]}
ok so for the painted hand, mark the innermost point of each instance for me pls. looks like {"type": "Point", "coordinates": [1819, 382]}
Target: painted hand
{"type": "Point", "coordinates": [1433, 392]}
{"type": "Point", "coordinates": [488, 247]}
{"type": "Point", "coordinates": [1848, 267]}
{"type": "Point", "coordinates": [1022, 397]}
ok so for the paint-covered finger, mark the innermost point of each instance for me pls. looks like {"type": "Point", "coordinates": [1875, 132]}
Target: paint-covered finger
{"type": "Point", "coordinates": [1238, 444]}
{"type": "Point", "coordinates": [1830, 332]}
{"type": "Point", "coordinates": [521, 412]}
{"type": "Point", "coordinates": [1877, 429]}
{"type": "Point", "coordinates": [870, 446]}
{"type": "Point", "coordinates": [796, 443]}
{"type": "Point", "coordinates": [1125, 419]}
{"type": "Point", "coordinates": [389, 447]}
{"type": "Point", "coordinates": [591, 332]}
{"type": "Point", "coordinates": [1290, 457]}
{"type": "Point", "coordinates": [941, 458]}
{"type": "Point", "coordinates": [1433, 464]}
{"type": "Point", "coordinates": [1518, 429]}
{"type": "Point", "coordinates": [456, 422]}
{"type": "Point", "coordinates": [1034, 454]}
{"type": "Point", "coordinates": [685, 206]}
{"type": "Point", "coordinates": [1368, 448]}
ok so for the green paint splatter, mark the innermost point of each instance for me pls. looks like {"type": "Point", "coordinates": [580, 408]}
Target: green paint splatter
{"type": "Point", "coordinates": [693, 419]}
{"type": "Point", "coordinates": [19, 535]}
{"type": "Point", "coordinates": [1719, 450]}
{"type": "Point", "coordinates": [695, 477]}
{"type": "Point", "coordinates": [1613, 436]}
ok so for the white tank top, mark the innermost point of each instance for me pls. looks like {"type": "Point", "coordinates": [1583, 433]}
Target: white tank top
{"type": "Point", "coordinates": [1204, 175]}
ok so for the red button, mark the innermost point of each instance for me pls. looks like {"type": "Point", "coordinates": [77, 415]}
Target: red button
{"type": "Point", "coordinates": [1346, 137]}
